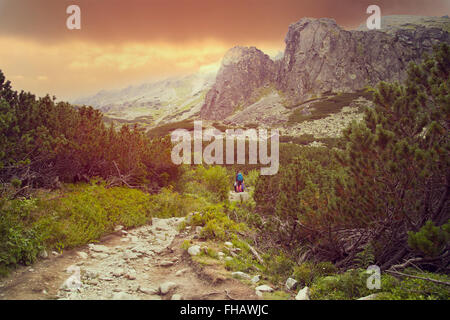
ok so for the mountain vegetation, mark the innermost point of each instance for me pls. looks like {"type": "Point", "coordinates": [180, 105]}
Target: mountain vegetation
{"type": "Point", "coordinates": [378, 196]}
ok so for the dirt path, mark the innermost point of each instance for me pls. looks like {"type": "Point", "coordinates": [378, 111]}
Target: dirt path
{"type": "Point", "coordinates": [144, 263]}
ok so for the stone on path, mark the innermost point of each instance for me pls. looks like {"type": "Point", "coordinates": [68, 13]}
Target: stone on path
{"type": "Point", "coordinates": [194, 250]}
{"type": "Point", "coordinates": [123, 296]}
{"type": "Point", "coordinates": [165, 287]}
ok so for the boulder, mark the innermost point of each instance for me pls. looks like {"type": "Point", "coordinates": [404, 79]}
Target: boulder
{"type": "Point", "coordinates": [303, 294]}
{"type": "Point", "coordinates": [240, 275]}
{"type": "Point", "coordinates": [264, 288]}
{"type": "Point", "coordinates": [194, 250]}
{"type": "Point", "coordinates": [291, 284]}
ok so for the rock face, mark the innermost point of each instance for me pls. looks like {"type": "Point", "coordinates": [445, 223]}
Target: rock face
{"type": "Point", "coordinates": [319, 57]}
{"type": "Point", "coordinates": [243, 71]}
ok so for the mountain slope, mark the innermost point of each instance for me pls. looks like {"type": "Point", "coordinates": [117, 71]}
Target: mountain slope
{"type": "Point", "coordinates": [172, 99]}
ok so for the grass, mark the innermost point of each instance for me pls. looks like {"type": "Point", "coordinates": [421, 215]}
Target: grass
{"type": "Point", "coordinates": [80, 214]}
{"type": "Point", "coordinates": [351, 285]}
{"type": "Point", "coordinates": [324, 108]}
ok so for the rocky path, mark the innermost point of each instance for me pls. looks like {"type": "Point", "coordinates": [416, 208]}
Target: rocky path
{"type": "Point", "coordinates": [145, 263]}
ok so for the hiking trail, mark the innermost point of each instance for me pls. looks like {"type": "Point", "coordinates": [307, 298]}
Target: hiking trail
{"type": "Point", "coordinates": [145, 263]}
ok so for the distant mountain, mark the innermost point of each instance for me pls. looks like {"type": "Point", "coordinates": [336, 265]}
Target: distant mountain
{"type": "Point", "coordinates": [173, 99]}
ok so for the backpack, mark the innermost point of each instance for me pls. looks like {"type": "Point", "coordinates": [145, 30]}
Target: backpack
{"type": "Point", "coordinates": [240, 177]}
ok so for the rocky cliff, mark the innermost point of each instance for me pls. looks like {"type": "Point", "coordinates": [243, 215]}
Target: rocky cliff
{"type": "Point", "coordinates": [319, 57]}
{"type": "Point", "coordinates": [243, 72]}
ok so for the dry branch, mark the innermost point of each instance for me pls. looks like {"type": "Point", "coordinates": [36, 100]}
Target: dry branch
{"type": "Point", "coordinates": [417, 277]}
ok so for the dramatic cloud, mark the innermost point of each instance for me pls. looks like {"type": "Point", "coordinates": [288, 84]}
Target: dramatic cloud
{"type": "Point", "coordinates": [124, 42]}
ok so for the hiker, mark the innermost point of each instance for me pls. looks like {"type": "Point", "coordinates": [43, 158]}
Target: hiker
{"type": "Point", "coordinates": [239, 183]}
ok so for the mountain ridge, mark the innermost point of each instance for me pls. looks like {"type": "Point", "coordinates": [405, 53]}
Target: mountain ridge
{"type": "Point", "coordinates": [321, 57]}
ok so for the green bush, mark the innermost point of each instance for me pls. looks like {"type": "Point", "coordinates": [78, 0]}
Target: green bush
{"type": "Point", "coordinates": [414, 289]}
{"type": "Point", "coordinates": [430, 240]}
{"type": "Point", "coordinates": [168, 203]}
{"type": "Point", "coordinates": [244, 261]}
{"type": "Point", "coordinates": [349, 285]}
{"type": "Point", "coordinates": [278, 266]}
{"type": "Point", "coordinates": [19, 244]}
{"type": "Point", "coordinates": [307, 272]}
{"type": "Point", "coordinates": [216, 224]}
{"type": "Point", "coordinates": [212, 183]}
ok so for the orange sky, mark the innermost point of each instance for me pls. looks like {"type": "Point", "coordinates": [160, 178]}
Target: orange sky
{"type": "Point", "coordinates": [131, 41]}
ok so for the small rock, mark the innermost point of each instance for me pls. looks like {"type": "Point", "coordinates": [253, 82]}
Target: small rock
{"type": "Point", "coordinates": [130, 275]}
{"type": "Point", "coordinates": [165, 287]}
{"type": "Point", "coordinates": [256, 279]}
{"type": "Point", "coordinates": [106, 279]}
{"type": "Point", "coordinates": [258, 293]}
{"type": "Point", "coordinates": [198, 229]}
{"type": "Point", "coordinates": [291, 284]}
{"type": "Point", "coordinates": [123, 296]}
{"type": "Point", "coordinates": [194, 250]}
{"type": "Point", "coordinates": [150, 291]}
{"type": "Point", "coordinates": [240, 275]}
{"type": "Point", "coordinates": [177, 297]}
{"type": "Point", "coordinates": [82, 255]}
{"type": "Point", "coordinates": [98, 248]}
{"type": "Point", "coordinates": [166, 263]}
{"type": "Point", "coordinates": [118, 272]}
{"type": "Point", "coordinates": [370, 297]}
{"type": "Point", "coordinates": [303, 294]}
{"type": "Point", "coordinates": [180, 272]}
{"type": "Point", "coordinates": [90, 274]}
{"type": "Point", "coordinates": [99, 255]}
{"type": "Point", "coordinates": [93, 282]}
{"type": "Point", "coordinates": [118, 228]}
{"type": "Point", "coordinates": [221, 254]}
{"type": "Point", "coordinates": [264, 288]}
{"type": "Point", "coordinates": [228, 258]}
{"type": "Point", "coordinates": [43, 254]}
{"type": "Point", "coordinates": [55, 253]}
{"type": "Point", "coordinates": [228, 244]}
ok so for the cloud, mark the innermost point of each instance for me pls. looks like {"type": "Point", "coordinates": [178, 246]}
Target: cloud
{"type": "Point", "coordinates": [231, 21]}
{"type": "Point", "coordinates": [74, 68]}
{"type": "Point", "coordinates": [128, 42]}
